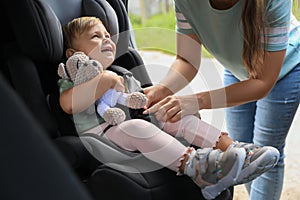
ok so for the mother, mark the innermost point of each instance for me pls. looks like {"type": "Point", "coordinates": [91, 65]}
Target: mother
{"type": "Point", "coordinates": [258, 43]}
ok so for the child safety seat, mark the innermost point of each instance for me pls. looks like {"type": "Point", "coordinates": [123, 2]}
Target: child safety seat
{"type": "Point", "coordinates": [33, 48]}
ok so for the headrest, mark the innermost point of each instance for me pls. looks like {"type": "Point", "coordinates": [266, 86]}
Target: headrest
{"type": "Point", "coordinates": [37, 23]}
{"type": "Point", "coordinates": [36, 29]}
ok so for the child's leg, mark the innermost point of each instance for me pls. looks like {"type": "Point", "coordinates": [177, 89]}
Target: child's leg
{"type": "Point", "coordinates": [198, 133]}
{"type": "Point", "coordinates": [195, 131]}
{"type": "Point", "coordinates": [152, 142]}
{"type": "Point", "coordinates": [224, 141]}
{"type": "Point", "coordinates": [206, 166]}
{"type": "Point", "coordinates": [212, 170]}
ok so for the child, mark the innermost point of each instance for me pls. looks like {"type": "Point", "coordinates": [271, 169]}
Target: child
{"type": "Point", "coordinates": [217, 165]}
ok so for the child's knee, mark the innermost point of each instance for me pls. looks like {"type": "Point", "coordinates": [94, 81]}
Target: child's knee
{"type": "Point", "coordinates": [139, 128]}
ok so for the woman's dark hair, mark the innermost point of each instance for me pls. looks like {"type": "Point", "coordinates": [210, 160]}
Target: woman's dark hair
{"type": "Point", "coordinates": [253, 20]}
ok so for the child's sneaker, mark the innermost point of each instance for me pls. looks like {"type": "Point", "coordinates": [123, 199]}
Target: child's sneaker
{"type": "Point", "coordinates": [258, 160]}
{"type": "Point", "coordinates": [213, 170]}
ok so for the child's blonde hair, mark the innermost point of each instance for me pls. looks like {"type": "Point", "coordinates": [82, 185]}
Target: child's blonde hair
{"type": "Point", "coordinates": [76, 27]}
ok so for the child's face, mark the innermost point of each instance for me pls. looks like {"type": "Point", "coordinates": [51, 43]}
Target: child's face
{"type": "Point", "coordinates": [97, 44]}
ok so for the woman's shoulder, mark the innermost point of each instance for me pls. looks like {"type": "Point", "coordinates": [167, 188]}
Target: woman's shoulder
{"type": "Point", "coordinates": [278, 4]}
{"type": "Point", "coordinates": [278, 12]}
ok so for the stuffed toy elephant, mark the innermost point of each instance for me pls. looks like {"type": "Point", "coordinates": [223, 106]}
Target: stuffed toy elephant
{"type": "Point", "coordinates": [79, 68]}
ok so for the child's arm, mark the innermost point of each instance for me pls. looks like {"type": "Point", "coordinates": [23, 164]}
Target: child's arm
{"type": "Point", "coordinates": [80, 97]}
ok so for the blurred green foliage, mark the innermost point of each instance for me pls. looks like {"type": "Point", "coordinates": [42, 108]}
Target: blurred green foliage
{"type": "Point", "coordinates": [158, 31]}
{"type": "Point", "coordinates": [296, 9]}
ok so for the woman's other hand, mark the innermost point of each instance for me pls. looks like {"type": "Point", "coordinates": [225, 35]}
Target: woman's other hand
{"type": "Point", "coordinates": [173, 108]}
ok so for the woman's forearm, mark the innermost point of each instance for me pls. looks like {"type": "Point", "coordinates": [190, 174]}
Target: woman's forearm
{"type": "Point", "coordinates": [248, 90]}
{"type": "Point", "coordinates": [233, 95]}
{"type": "Point", "coordinates": [186, 64]}
{"type": "Point", "coordinates": [180, 74]}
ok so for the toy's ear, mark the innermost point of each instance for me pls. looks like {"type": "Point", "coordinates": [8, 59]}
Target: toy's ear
{"type": "Point", "coordinates": [62, 71]}
{"type": "Point", "coordinates": [74, 62]}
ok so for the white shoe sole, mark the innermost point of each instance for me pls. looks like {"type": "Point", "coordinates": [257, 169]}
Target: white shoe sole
{"type": "Point", "coordinates": [262, 164]}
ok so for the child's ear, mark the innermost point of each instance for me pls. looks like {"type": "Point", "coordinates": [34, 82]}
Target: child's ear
{"type": "Point", "coordinates": [70, 52]}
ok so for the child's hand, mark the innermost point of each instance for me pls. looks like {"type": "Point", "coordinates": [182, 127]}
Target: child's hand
{"type": "Point", "coordinates": [116, 81]}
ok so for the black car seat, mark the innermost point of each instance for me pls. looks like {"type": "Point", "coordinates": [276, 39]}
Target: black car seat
{"type": "Point", "coordinates": [33, 48]}
{"type": "Point", "coordinates": [31, 167]}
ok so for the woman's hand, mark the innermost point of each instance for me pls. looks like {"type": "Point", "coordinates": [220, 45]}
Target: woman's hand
{"type": "Point", "coordinates": [155, 94]}
{"type": "Point", "coordinates": [173, 108]}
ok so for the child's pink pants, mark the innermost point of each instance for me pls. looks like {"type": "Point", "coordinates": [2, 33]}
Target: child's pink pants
{"type": "Point", "coordinates": [159, 145]}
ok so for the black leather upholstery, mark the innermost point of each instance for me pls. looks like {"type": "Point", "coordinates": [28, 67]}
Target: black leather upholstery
{"type": "Point", "coordinates": [31, 167]}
